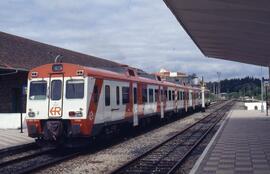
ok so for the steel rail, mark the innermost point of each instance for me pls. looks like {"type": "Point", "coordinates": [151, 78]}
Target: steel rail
{"type": "Point", "coordinates": [180, 161]}
{"type": "Point", "coordinates": [17, 149]}
{"type": "Point", "coordinates": [38, 161]}
{"type": "Point", "coordinates": [124, 167]}
{"type": "Point", "coordinates": [22, 157]}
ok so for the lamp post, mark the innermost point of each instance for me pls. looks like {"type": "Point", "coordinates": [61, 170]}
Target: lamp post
{"type": "Point", "coordinates": [262, 86]}
{"type": "Point", "coordinates": [218, 91]}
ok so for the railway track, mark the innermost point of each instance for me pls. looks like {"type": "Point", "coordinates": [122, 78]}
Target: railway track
{"type": "Point", "coordinates": [168, 156]}
{"type": "Point", "coordinates": [29, 158]}
{"type": "Point", "coordinates": [32, 160]}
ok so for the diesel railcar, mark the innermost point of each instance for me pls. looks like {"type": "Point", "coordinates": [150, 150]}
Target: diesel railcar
{"type": "Point", "coordinates": [72, 101]}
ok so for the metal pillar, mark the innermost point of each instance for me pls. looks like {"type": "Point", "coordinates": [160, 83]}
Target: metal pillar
{"type": "Point", "coordinates": [262, 87]}
{"type": "Point", "coordinates": [218, 90]}
{"type": "Point", "coordinates": [266, 94]}
{"type": "Point", "coordinates": [203, 97]}
{"type": "Point", "coordinates": [21, 110]}
{"type": "Point", "coordinates": [267, 102]}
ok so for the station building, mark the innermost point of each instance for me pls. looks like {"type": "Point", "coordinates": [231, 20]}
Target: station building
{"type": "Point", "coordinates": [18, 55]}
{"type": "Point", "coordinates": [178, 77]}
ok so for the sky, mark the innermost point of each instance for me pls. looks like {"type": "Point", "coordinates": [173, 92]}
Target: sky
{"type": "Point", "coordinates": [139, 33]}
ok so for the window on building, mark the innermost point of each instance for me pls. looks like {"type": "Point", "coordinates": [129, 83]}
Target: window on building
{"type": "Point", "coordinates": [74, 89]}
{"type": "Point", "coordinates": [107, 95]}
{"type": "Point", "coordinates": [166, 94]}
{"type": "Point", "coordinates": [151, 96]}
{"type": "Point", "coordinates": [170, 95]}
{"type": "Point", "coordinates": [117, 95]}
{"type": "Point", "coordinates": [125, 95]}
{"type": "Point", "coordinates": [173, 95]}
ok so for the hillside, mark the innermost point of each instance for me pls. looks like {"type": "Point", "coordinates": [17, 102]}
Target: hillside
{"type": "Point", "coordinates": [237, 87]}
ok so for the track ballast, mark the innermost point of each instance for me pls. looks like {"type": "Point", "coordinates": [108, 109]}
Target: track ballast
{"type": "Point", "coordinates": [167, 156]}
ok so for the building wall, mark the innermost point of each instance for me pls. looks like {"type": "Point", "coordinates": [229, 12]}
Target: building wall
{"type": "Point", "coordinates": [11, 92]}
{"type": "Point", "coordinates": [254, 105]}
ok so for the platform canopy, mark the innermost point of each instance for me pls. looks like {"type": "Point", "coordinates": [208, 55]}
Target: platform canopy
{"type": "Point", "coordinates": [236, 30]}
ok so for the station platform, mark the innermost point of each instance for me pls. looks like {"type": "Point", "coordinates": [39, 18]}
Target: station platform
{"type": "Point", "coordinates": [241, 145]}
{"type": "Point", "coordinates": [13, 137]}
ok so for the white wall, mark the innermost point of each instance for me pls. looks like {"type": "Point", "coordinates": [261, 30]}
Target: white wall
{"type": "Point", "coordinates": [11, 120]}
{"type": "Point", "coordinates": [251, 105]}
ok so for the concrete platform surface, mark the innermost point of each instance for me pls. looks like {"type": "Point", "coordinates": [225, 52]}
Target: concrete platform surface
{"type": "Point", "coordinates": [13, 137]}
{"type": "Point", "coordinates": [242, 145]}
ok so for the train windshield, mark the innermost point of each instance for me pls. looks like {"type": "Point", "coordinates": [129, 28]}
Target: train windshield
{"type": "Point", "coordinates": [74, 89]}
{"type": "Point", "coordinates": [56, 90]}
{"type": "Point", "coordinates": [38, 90]}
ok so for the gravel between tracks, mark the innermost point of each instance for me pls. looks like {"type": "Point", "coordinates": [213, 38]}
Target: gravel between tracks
{"type": "Point", "coordinates": [108, 159]}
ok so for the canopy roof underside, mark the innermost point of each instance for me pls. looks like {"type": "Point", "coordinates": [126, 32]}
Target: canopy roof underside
{"type": "Point", "coordinates": [236, 30]}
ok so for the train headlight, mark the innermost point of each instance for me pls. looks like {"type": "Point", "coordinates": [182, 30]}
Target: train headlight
{"type": "Point", "coordinates": [31, 114]}
{"type": "Point", "coordinates": [75, 114]}
{"type": "Point", "coordinates": [79, 114]}
{"type": "Point", "coordinates": [34, 74]}
{"type": "Point", "coordinates": [80, 72]}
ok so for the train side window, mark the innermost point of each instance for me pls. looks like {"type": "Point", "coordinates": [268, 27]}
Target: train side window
{"type": "Point", "coordinates": [74, 89]}
{"type": "Point", "coordinates": [156, 95]}
{"type": "Point", "coordinates": [107, 95]}
{"type": "Point", "coordinates": [125, 95]}
{"type": "Point", "coordinates": [117, 95]}
{"type": "Point", "coordinates": [95, 95]}
{"type": "Point", "coordinates": [170, 95]}
{"type": "Point", "coordinates": [182, 95]}
{"type": "Point", "coordinates": [151, 96]}
{"type": "Point", "coordinates": [144, 95]}
{"type": "Point", "coordinates": [135, 95]}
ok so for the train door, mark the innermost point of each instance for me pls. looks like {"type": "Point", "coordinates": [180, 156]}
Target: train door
{"type": "Point", "coordinates": [193, 99]}
{"type": "Point", "coordinates": [186, 99]}
{"type": "Point", "coordinates": [190, 98]}
{"type": "Point", "coordinates": [107, 101]}
{"type": "Point", "coordinates": [117, 110]}
{"type": "Point", "coordinates": [135, 105]}
{"type": "Point", "coordinates": [175, 98]}
{"type": "Point", "coordinates": [161, 97]}
{"type": "Point", "coordinates": [55, 107]}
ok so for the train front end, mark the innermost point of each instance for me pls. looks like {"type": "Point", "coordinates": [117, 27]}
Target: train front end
{"type": "Point", "coordinates": [57, 103]}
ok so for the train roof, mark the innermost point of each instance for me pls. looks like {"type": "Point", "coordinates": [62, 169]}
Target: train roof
{"type": "Point", "coordinates": [70, 70]}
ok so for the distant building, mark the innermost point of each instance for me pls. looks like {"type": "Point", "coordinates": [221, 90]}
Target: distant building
{"type": "Point", "coordinates": [178, 77]}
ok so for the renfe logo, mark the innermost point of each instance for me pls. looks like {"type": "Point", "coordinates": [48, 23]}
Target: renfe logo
{"type": "Point", "coordinates": [55, 111]}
